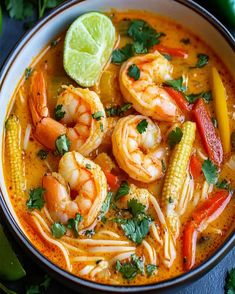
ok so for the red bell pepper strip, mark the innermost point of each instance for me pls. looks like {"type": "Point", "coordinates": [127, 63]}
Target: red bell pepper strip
{"type": "Point", "coordinates": [206, 213]}
{"type": "Point", "coordinates": [178, 52]}
{"type": "Point", "coordinates": [210, 139]}
{"type": "Point", "coordinates": [195, 166]}
{"type": "Point", "coordinates": [178, 97]}
{"type": "Point", "coordinates": [112, 180]}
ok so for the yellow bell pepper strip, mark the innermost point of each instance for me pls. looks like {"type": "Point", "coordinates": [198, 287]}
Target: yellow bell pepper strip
{"type": "Point", "coordinates": [221, 110]}
{"type": "Point", "coordinates": [10, 267]}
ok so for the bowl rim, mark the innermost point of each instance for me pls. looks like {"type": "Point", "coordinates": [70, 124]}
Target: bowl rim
{"type": "Point", "coordinates": [14, 227]}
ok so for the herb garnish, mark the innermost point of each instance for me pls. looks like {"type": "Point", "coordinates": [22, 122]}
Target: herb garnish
{"type": "Point", "coordinates": [42, 154]}
{"type": "Point", "coordinates": [142, 126]}
{"type": "Point", "coordinates": [89, 233]}
{"type": "Point", "coordinates": [202, 60]}
{"type": "Point", "coordinates": [129, 270]}
{"type": "Point", "coordinates": [88, 166]}
{"type": "Point", "coordinates": [176, 84]}
{"type": "Point", "coordinates": [58, 230]}
{"type": "Point", "coordinates": [28, 72]}
{"type": "Point", "coordinates": [98, 115]}
{"type": "Point", "coordinates": [133, 72]}
{"type": "Point", "coordinates": [210, 171]}
{"type": "Point", "coordinates": [224, 184]}
{"type": "Point", "coordinates": [36, 199]}
{"type": "Point", "coordinates": [54, 43]}
{"type": "Point", "coordinates": [163, 166]}
{"type": "Point", "coordinates": [106, 204]}
{"type": "Point", "coordinates": [122, 191]}
{"type": "Point", "coordinates": [62, 145]}
{"type": "Point", "coordinates": [74, 222]}
{"type": "Point", "coordinates": [230, 282]}
{"type": "Point", "coordinates": [207, 97]}
{"type": "Point", "coordinates": [58, 113]}
{"type": "Point", "coordinates": [167, 56]}
{"type": "Point", "coordinates": [174, 137]}
{"type": "Point", "coordinates": [122, 54]}
{"type": "Point", "coordinates": [150, 269]}
{"type": "Point", "coordinates": [118, 110]}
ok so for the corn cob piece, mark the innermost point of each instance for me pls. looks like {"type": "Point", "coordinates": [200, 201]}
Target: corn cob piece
{"type": "Point", "coordinates": [175, 175]}
{"type": "Point", "coordinates": [15, 156]}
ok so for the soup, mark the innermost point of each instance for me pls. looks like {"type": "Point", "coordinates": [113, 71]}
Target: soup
{"type": "Point", "coordinates": [129, 181]}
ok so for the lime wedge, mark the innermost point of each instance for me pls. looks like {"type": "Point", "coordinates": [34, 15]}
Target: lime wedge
{"type": "Point", "coordinates": [88, 45]}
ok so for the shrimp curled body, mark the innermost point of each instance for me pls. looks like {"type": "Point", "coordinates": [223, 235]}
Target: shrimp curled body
{"type": "Point", "coordinates": [84, 132]}
{"type": "Point", "coordinates": [81, 178]}
{"type": "Point", "coordinates": [138, 154]}
{"type": "Point", "coordinates": [146, 95]}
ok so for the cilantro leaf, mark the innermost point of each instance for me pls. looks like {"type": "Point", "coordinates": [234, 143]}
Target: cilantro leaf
{"type": "Point", "coordinates": [58, 230]}
{"type": "Point", "coordinates": [202, 60]}
{"type": "Point", "coordinates": [210, 171]}
{"type": "Point", "coordinates": [135, 207]}
{"type": "Point", "coordinates": [19, 9]}
{"type": "Point", "coordinates": [42, 154]}
{"type": "Point", "coordinates": [88, 166]}
{"type": "Point", "coordinates": [36, 199]}
{"type": "Point", "coordinates": [176, 84]}
{"type": "Point", "coordinates": [129, 270]}
{"type": "Point", "coordinates": [207, 97]}
{"type": "Point", "coordinates": [139, 48]}
{"type": "Point", "coordinates": [62, 144]}
{"type": "Point", "coordinates": [230, 282]}
{"type": "Point", "coordinates": [89, 233]}
{"type": "Point", "coordinates": [167, 56]}
{"type": "Point", "coordinates": [41, 288]}
{"type": "Point", "coordinates": [106, 204]}
{"type": "Point", "coordinates": [150, 269]}
{"type": "Point", "coordinates": [118, 110]}
{"type": "Point", "coordinates": [123, 190]}
{"type": "Point", "coordinates": [133, 72]}
{"type": "Point", "coordinates": [28, 72]}
{"type": "Point", "coordinates": [58, 113]}
{"type": "Point", "coordinates": [45, 4]}
{"type": "Point", "coordinates": [223, 184]}
{"type": "Point", "coordinates": [174, 137]}
{"type": "Point", "coordinates": [142, 126]}
{"type": "Point", "coordinates": [74, 222]}
{"type": "Point", "coordinates": [98, 115]}
{"type": "Point", "coordinates": [122, 54]}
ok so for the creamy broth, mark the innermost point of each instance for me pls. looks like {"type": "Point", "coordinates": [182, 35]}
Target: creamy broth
{"type": "Point", "coordinates": [198, 80]}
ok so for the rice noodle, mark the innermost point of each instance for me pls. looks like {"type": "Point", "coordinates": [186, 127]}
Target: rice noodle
{"type": "Point", "coordinates": [95, 242]}
{"type": "Point", "coordinates": [73, 248]}
{"type": "Point", "coordinates": [45, 210]}
{"type": "Point", "coordinates": [121, 256]}
{"type": "Point", "coordinates": [196, 198]}
{"type": "Point", "coordinates": [155, 234]}
{"type": "Point", "coordinates": [100, 267]}
{"type": "Point", "coordinates": [149, 249]}
{"type": "Point", "coordinates": [157, 209]}
{"type": "Point", "coordinates": [41, 220]}
{"type": "Point", "coordinates": [27, 136]}
{"type": "Point", "coordinates": [86, 270]}
{"type": "Point", "coordinates": [87, 258]}
{"type": "Point", "coordinates": [109, 249]}
{"type": "Point", "coordinates": [109, 233]}
{"type": "Point", "coordinates": [53, 242]}
{"type": "Point", "coordinates": [204, 194]}
{"type": "Point", "coordinates": [48, 165]}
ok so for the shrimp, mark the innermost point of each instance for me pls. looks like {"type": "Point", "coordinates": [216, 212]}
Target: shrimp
{"type": "Point", "coordinates": [138, 154]}
{"type": "Point", "coordinates": [146, 95]}
{"type": "Point", "coordinates": [88, 186]}
{"type": "Point", "coordinates": [84, 121]}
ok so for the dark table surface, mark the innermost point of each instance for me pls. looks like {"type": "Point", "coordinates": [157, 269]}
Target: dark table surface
{"type": "Point", "coordinates": [213, 282]}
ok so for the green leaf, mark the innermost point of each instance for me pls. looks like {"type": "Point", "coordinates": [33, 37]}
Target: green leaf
{"type": "Point", "coordinates": [141, 32]}
{"type": "Point", "coordinates": [176, 84]}
{"type": "Point", "coordinates": [58, 230]}
{"type": "Point", "coordinates": [174, 137]}
{"type": "Point", "coordinates": [207, 97]}
{"type": "Point", "coordinates": [6, 290]}
{"type": "Point", "coordinates": [202, 60]}
{"type": "Point", "coordinates": [122, 54]}
{"type": "Point", "coordinates": [118, 110]}
{"type": "Point", "coordinates": [142, 126]}
{"type": "Point", "coordinates": [89, 233]}
{"type": "Point", "coordinates": [138, 262]}
{"type": "Point", "coordinates": [230, 282]}
{"type": "Point", "coordinates": [185, 41]}
{"type": "Point", "coordinates": [129, 270]}
{"type": "Point", "coordinates": [74, 222]}
{"type": "Point", "coordinates": [36, 198]}
{"type": "Point", "coordinates": [19, 9]}
{"type": "Point", "coordinates": [133, 72]}
{"type": "Point", "coordinates": [135, 207]}
{"type": "Point", "coordinates": [139, 48]}
{"type": "Point", "coordinates": [58, 113]}
{"type": "Point", "coordinates": [42, 154]}
{"type": "Point", "coordinates": [224, 184]}
{"type": "Point", "coordinates": [88, 166]}
{"type": "Point", "coordinates": [122, 191]}
{"type": "Point", "coordinates": [62, 144]}
{"type": "Point", "coordinates": [150, 269]}
{"type": "Point", "coordinates": [98, 115]}
{"type": "Point", "coordinates": [167, 56]}
{"type": "Point", "coordinates": [28, 72]}
{"type": "Point", "coordinates": [41, 288]}
{"type": "Point", "coordinates": [106, 204]}
{"type": "Point", "coordinates": [210, 171]}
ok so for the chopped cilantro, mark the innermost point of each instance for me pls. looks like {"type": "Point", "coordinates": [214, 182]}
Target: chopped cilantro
{"type": "Point", "coordinates": [62, 145]}
{"type": "Point", "coordinates": [163, 166]}
{"type": "Point", "coordinates": [122, 54]}
{"type": "Point", "coordinates": [129, 270]}
{"type": "Point", "coordinates": [223, 184]}
{"type": "Point", "coordinates": [185, 41]}
{"type": "Point", "coordinates": [106, 204]}
{"type": "Point", "coordinates": [118, 110]}
{"type": "Point", "coordinates": [174, 137]}
{"type": "Point", "coordinates": [123, 190]}
{"type": "Point", "coordinates": [167, 56]}
{"type": "Point", "coordinates": [41, 288]}
{"type": "Point", "coordinates": [210, 171]}
{"type": "Point", "coordinates": [54, 43]}
{"type": "Point", "coordinates": [88, 166]}
{"type": "Point", "coordinates": [89, 233]}
{"type": "Point", "coordinates": [170, 200]}
{"type": "Point", "coordinates": [202, 60]}
{"type": "Point", "coordinates": [150, 269]}
{"type": "Point", "coordinates": [176, 84]}
{"type": "Point", "coordinates": [74, 222]}
{"type": "Point", "coordinates": [36, 198]}
{"type": "Point", "coordinates": [58, 113]}
{"type": "Point", "coordinates": [28, 72]}
{"type": "Point", "coordinates": [42, 154]}
{"type": "Point", "coordinates": [134, 72]}
{"type": "Point", "coordinates": [98, 115]}
{"type": "Point", "coordinates": [135, 207]}
{"type": "Point", "coordinates": [230, 282]}
{"type": "Point", "coordinates": [58, 230]}
{"type": "Point", "coordinates": [142, 126]}
{"type": "Point", "coordinates": [139, 48]}
{"type": "Point", "coordinates": [207, 97]}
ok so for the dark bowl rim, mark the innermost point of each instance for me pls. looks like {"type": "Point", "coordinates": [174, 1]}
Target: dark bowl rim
{"type": "Point", "coordinates": [15, 228]}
